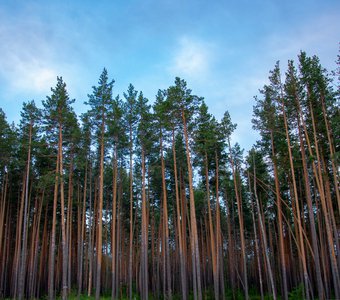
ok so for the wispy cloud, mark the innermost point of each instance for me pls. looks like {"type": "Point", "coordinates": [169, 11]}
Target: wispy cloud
{"type": "Point", "coordinates": [24, 60]}
{"type": "Point", "coordinates": [31, 56]}
{"type": "Point", "coordinates": [192, 58]}
{"type": "Point", "coordinates": [30, 75]}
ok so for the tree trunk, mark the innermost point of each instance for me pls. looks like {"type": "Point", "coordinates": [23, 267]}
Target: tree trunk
{"type": "Point", "coordinates": [82, 232]}
{"type": "Point", "coordinates": [334, 266]}
{"type": "Point", "coordinates": [131, 219]}
{"type": "Point", "coordinates": [144, 250]}
{"type": "Point", "coordinates": [179, 228]}
{"type": "Point", "coordinates": [53, 235]}
{"type": "Point", "coordinates": [240, 216]}
{"type": "Point", "coordinates": [100, 214]}
{"type": "Point", "coordinates": [166, 226]}
{"type": "Point", "coordinates": [91, 237]}
{"type": "Point", "coordinates": [264, 237]}
{"type": "Point", "coordinates": [280, 224]}
{"type": "Point", "coordinates": [21, 288]}
{"type": "Point", "coordinates": [193, 222]}
{"type": "Point", "coordinates": [256, 241]}
{"type": "Point", "coordinates": [219, 250]}
{"type": "Point", "coordinates": [64, 287]}
{"type": "Point", "coordinates": [301, 243]}
{"type": "Point", "coordinates": [114, 217]}
{"type": "Point", "coordinates": [211, 230]}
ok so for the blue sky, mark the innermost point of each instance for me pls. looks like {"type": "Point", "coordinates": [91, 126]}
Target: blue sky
{"type": "Point", "coordinates": [223, 49]}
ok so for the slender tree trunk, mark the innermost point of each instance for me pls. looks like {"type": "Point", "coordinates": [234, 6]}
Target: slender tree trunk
{"type": "Point", "coordinates": [211, 230]}
{"type": "Point", "coordinates": [53, 235]}
{"type": "Point", "coordinates": [62, 208]}
{"type": "Point", "coordinates": [18, 241]}
{"type": "Point", "coordinates": [100, 214]}
{"type": "Point", "coordinates": [120, 241]}
{"type": "Point", "coordinates": [219, 250]}
{"type": "Point", "coordinates": [131, 218]}
{"type": "Point", "coordinates": [264, 238]}
{"type": "Point", "coordinates": [335, 270]}
{"type": "Point", "coordinates": [307, 188]}
{"type": "Point", "coordinates": [82, 232]}
{"type": "Point", "coordinates": [69, 223]}
{"type": "Point", "coordinates": [3, 208]}
{"type": "Point", "coordinates": [335, 167]}
{"type": "Point", "coordinates": [280, 224]}
{"type": "Point", "coordinates": [44, 257]}
{"type": "Point", "coordinates": [193, 222]}
{"type": "Point", "coordinates": [166, 226]}
{"type": "Point", "coordinates": [34, 251]}
{"type": "Point", "coordinates": [144, 250]}
{"type": "Point", "coordinates": [241, 225]}
{"type": "Point", "coordinates": [256, 241]}
{"type": "Point", "coordinates": [114, 217]}
{"type": "Point", "coordinates": [179, 228]}
{"type": "Point", "coordinates": [231, 256]}
{"type": "Point", "coordinates": [21, 288]}
{"type": "Point", "coordinates": [301, 243]}
{"type": "Point", "coordinates": [91, 237]}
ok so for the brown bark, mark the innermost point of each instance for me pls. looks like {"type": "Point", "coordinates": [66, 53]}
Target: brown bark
{"type": "Point", "coordinates": [241, 225]}
{"type": "Point", "coordinates": [82, 233]}
{"type": "Point", "coordinates": [256, 241]}
{"type": "Point", "coordinates": [193, 222]}
{"type": "Point", "coordinates": [166, 226]}
{"type": "Point", "coordinates": [100, 214]}
{"type": "Point", "coordinates": [144, 248]}
{"type": "Point", "coordinates": [21, 287]}
{"type": "Point", "coordinates": [114, 217]}
{"type": "Point", "coordinates": [64, 287]}
{"type": "Point", "coordinates": [51, 295]}
{"type": "Point", "coordinates": [219, 253]}
{"type": "Point", "coordinates": [211, 231]}
{"type": "Point", "coordinates": [131, 219]}
{"type": "Point", "coordinates": [179, 228]}
{"type": "Point", "coordinates": [264, 238]}
{"type": "Point", "coordinates": [301, 243]}
{"type": "Point", "coordinates": [280, 224]}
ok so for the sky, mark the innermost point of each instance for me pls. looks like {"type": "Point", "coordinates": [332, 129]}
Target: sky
{"type": "Point", "coordinates": [223, 49]}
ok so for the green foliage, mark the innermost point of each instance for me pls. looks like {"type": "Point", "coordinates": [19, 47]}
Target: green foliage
{"type": "Point", "coordinates": [8, 141]}
{"type": "Point", "coordinates": [130, 126]}
{"type": "Point", "coordinates": [297, 293]}
{"type": "Point", "coordinates": [182, 102]}
{"type": "Point", "coordinates": [100, 102]}
{"type": "Point", "coordinates": [57, 108]}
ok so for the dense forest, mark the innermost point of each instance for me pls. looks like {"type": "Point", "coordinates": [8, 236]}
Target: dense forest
{"type": "Point", "coordinates": [138, 200]}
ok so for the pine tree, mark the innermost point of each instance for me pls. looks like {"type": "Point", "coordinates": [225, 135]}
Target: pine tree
{"type": "Point", "coordinates": [160, 113]}
{"type": "Point", "coordinates": [130, 110]}
{"type": "Point", "coordinates": [185, 106]}
{"type": "Point", "coordinates": [258, 169]}
{"type": "Point", "coordinates": [227, 128]}
{"type": "Point", "coordinates": [145, 141]}
{"type": "Point", "coordinates": [100, 101]}
{"type": "Point", "coordinates": [30, 116]}
{"type": "Point", "coordinates": [118, 139]}
{"type": "Point", "coordinates": [205, 142]}
{"type": "Point", "coordinates": [268, 121]}
{"type": "Point", "coordinates": [57, 110]}
{"type": "Point", "coordinates": [310, 72]}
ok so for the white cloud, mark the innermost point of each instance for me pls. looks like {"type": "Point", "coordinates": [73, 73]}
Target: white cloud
{"type": "Point", "coordinates": [32, 54]}
{"type": "Point", "coordinates": [26, 57]}
{"type": "Point", "coordinates": [31, 75]}
{"type": "Point", "coordinates": [192, 59]}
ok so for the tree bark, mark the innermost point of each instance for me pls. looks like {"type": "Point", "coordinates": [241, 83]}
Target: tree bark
{"type": "Point", "coordinates": [193, 222]}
